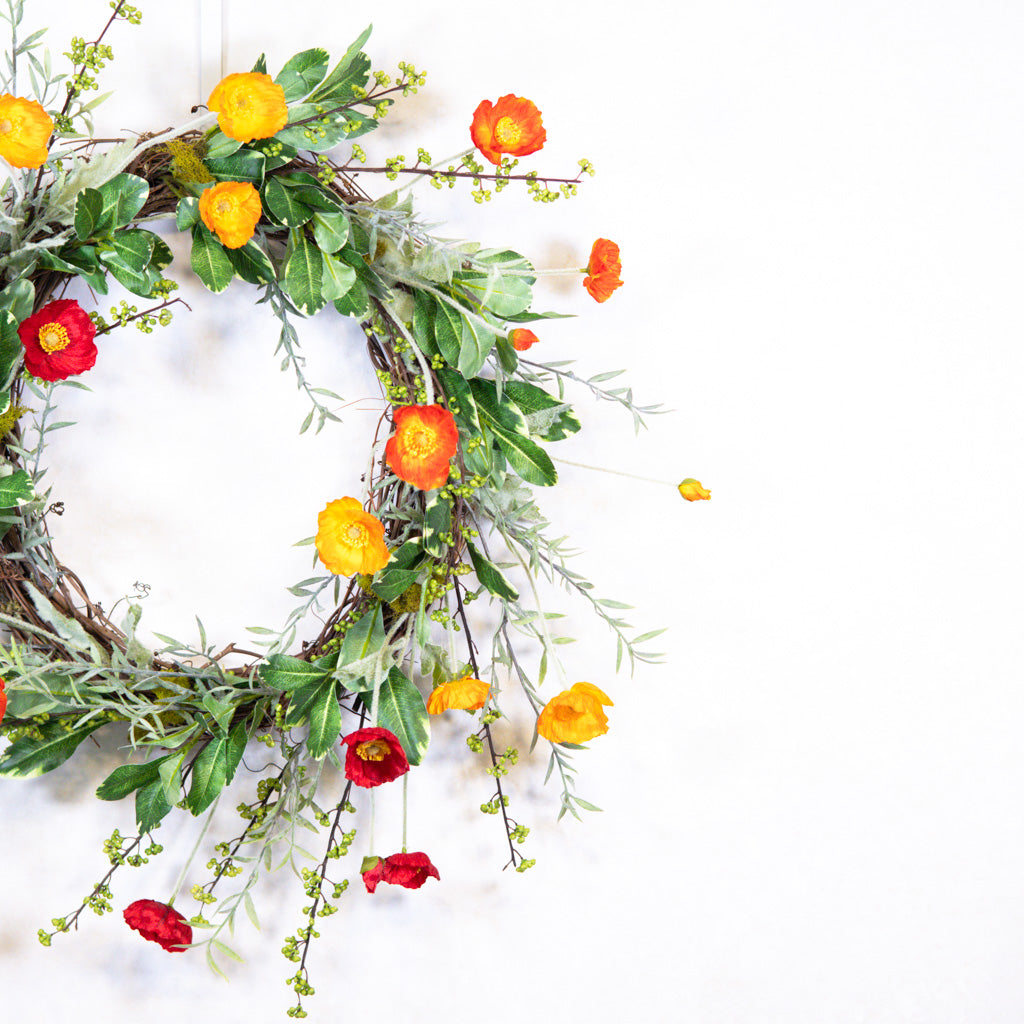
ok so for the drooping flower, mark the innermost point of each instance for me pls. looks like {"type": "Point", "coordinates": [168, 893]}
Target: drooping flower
{"type": "Point", "coordinates": [522, 339]}
{"type": "Point", "coordinates": [425, 439]}
{"type": "Point", "coordinates": [350, 540]}
{"type": "Point", "coordinates": [159, 923]}
{"type": "Point", "coordinates": [512, 125]}
{"type": "Point", "coordinates": [58, 340]}
{"type": "Point", "coordinates": [230, 209]}
{"type": "Point", "coordinates": [251, 106]}
{"type": "Point", "coordinates": [603, 270]}
{"type": "Point", "coordinates": [25, 129]}
{"type": "Point", "coordinates": [3, 699]}
{"type": "Point", "coordinates": [467, 694]}
{"type": "Point", "coordinates": [374, 756]}
{"type": "Point", "coordinates": [574, 715]}
{"type": "Point", "coordinates": [692, 490]}
{"type": "Point", "coordinates": [410, 870]}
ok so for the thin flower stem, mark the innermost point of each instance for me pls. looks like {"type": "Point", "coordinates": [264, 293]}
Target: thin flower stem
{"type": "Point", "coordinates": [195, 849]}
{"type": "Point", "coordinates": [617, 472]}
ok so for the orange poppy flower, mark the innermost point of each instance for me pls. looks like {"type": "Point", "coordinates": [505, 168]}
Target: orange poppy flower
{"type": "Point", "coordinates": [574, 715]}
{"type": "Point", "coordinates": [251, 106]}
{"type": "Point", "coordinates": [25, 130]}
{"type": "Point", "coordinates": [692, 490]}
{"type": "Point", "coordinates": [231, 209]}
{"type": "Point", "coordinates": [603, 270]}
{"type": "Point", "coordinates": [350, 540]}
{"type": "Point", "coordinates": [466, 694]}
{"type": "Point", "coordinates": [512, 125]}
{"type": "Point", "coordinates": [425, 439]}
{"type": "Point", "coordinates": [522, 339]}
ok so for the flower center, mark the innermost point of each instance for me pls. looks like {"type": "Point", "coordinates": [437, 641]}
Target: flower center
{"type": "Point", "coordinates": [356, 534]}
{"type": "Point", "coordinates": [223, 205]}
{"type": "Point", "coordinates": [372, 750]}
{"type": "Point", "coordinates": [421, 442]}
{"type": "Point", "coordinates": [52, 337]}
{"type": "Point", "coordinates": [507, 132]}
{"type": "Point", "coordinates": [5, 126]}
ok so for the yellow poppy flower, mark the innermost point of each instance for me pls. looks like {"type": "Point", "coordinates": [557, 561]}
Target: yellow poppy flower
{"type": "Point", "coordinates": [25, 129]}
{"type": "Point", "coordinates": [231, 209]}
{"type": "Point", "coordinates": [350, 540]}
{"type": "Point", "coordinates": [251, 106]}
{"type": "Point", "coordinates": [467, 694]}
{"type": "Point", "coordinates": [574, 715]}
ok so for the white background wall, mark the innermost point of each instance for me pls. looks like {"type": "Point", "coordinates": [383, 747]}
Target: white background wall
{"type": "Point", "coordinates": [813, 810]}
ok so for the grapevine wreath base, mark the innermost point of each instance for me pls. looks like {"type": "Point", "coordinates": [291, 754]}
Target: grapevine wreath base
{"type": "Point", "coordinates": [398, 555]}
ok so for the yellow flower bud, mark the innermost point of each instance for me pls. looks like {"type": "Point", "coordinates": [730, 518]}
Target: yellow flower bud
{"type": "Point", "coordinates": [692, 490]}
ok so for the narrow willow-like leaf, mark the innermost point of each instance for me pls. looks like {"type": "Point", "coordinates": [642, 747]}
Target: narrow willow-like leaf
{"type": "Point", "coordinates": [324, 720]}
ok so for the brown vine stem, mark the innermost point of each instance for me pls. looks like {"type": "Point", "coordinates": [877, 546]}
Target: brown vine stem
{"type": "Point", "coordinates": [356, 168]}
{"type": "Point", "coordinates": [145, 312]}
{"type": "Point", "coordinates": [487, 727]}
{"type": "Point", "coordinates": [73, 918]}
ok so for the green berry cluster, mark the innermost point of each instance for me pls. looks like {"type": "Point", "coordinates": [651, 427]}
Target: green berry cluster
{"type": "Point", "coordinates": [92, 57]}
{"type": "Point", "coordinates": [411, 79]}
{"type": "Point", "coordinates": [125, 12]}
{"type": "Point", "coordinates": [500, 767]}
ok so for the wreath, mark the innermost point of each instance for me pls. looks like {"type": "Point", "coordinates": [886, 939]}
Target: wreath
{"type": "Point", "coordinates": [254, 177]}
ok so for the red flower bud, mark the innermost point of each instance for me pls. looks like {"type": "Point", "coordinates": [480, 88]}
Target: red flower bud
{"type": "Point", "coordinates": [409, 870]}
{"type": "Point", "coordinates": [159, 923]}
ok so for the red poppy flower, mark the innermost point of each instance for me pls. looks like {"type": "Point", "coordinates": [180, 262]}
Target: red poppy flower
{"type": "Point", "coordinates": [425, 439]}
{"type": "Point", "coordinates": [3, 700]}
{"type": "Point", "coordinates": [512, 125]}
{"type": "Point", "coordinates": [410, 870]}
{"type": "Point", "coordinates": [522, 339]}
{"type": "Point", "coordinates": [159, 923]}
{"type": "Point", "coordinates": [58, 340]}
{"type": "Point", "coordinates": [603, 269]}
{"type": "Point", "coordinates": [374, 756]}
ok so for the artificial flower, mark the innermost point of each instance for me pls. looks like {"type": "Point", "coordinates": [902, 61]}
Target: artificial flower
{"type": "Point", "coordinates": [425, 439]}
{"type": "Point", "coordinates": [58, 340]}
{"type": "Point", "coordinates": [251, 106]}
{"type": "Point", "coordinates": [350, 540]}
{"type": "Point", "coordinates": [574, 715]}
{"type": "Point", "coordinates": [467, 694]}
{"type": "Point", "coordinates": [512, 125]}
{"type": "Point", "coordinates": [374, 756]}
{"type": "Point", "coordinates": [25, 129]}
{"type": "Point", "coordinates": [230, 209]}
{"type": "Point", "coordinates": [522, 339]}
{"type": "Point", "coordinates": [603, 270]}
{"type": "Point", "coordinates": [159, 923]}
{"type": "Point", "coordinates": [3, 699]}
{"type": "Point", "coordinates": [410, 870]}
{"type": "Point", "coordinates": [692, 490]}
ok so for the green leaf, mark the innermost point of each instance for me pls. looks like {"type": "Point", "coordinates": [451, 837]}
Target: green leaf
{"type": "Point", "coordinates": [28, 757]}
{"type": "Point", "coordinates": [477, 342]}
{"type": "Point", "coordinates": [324, 720]}
{"type": "Point", "coordinates": [537, 403]}
{"type": "Point", "coordinates": [302, 73]}
{"type": "Point", "coordinates": [310, 191]}
{"type": "Point", "coordinates": [151, 806]}
{"type": "Point", "coordinates": [330, 230]}
{"type": "Point", "coordinates": [491, 576]}
{"type": "Point", "coordinates": [352, 69]}
{"type": "Point", "coordinates": [400, 708]}
{"type": "Point", "coordinates": [209, 775]}
{"type": "Point", "coordinates": [284, 672]}
{"type": "Point", "coordinates": [244, 165]}
{"type": "Point", "coordinates": [448, 331]}
{"type": "Point", "coordinates": [81, 260]}
{"type": "Point", "coordinates": [313, 128]}
{"type": "Point", "coordinates": [281, 202]}
{"type": "Point", "coordinates": [15, 489]}
{"type": "Point", "coordinates": [503, 296]}
{"type": "Point", "coordinates": [133, 249]}
{"type": "Point", "coordinates": [437, 520]}
{"type": "Point", "coordinates": [124, 196]}
{"type": "Point", "coordinates": [337, 278]}
{"type": "Point", "coordinates": [459, 389]}
{"type": "Point", "coordinates": [237, 739]}
{"type": "Point", "coordinates": [128, 778]}
{"type": "Point", "coordinates": [303, 275]}
{"type": "Point", "coordinates": [392, 583]}
{"type": "Point", "coordinates": [251, 263]}
{"type": "Point", "coordinates": [423, 316]}
{"type": "Point", "coordinates": [88, 213]}
{"type": "Point", "coordinates": [11, 349]}
{"type": "Point", "coordinates": [299, 703]}
{"type": "Point", "coordinates": [365, 636]}
{"type": "Point", "coordinates": [187, 213]}
{"type": "Point", "coordinates": [355, 302]}
{"type": "Point", "coordinates": [527, 459]}
{"type": "Point", "coordinates": [18, 297]}
{"type": "Point", "coordinates": [493, 413]}
{"type": "Point", "coordinates": [219, 146]}
{"type": "Point", "coordinates": [210, 261]}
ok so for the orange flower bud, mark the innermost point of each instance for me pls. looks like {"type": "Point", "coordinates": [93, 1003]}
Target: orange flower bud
{"type": "Point", "coordinates": [251, 106]}
{"type": "Point", "coordinates": [25, 129]}
{"type": "Point", "coordinates": [692, 490]}
{"type": "Point", "coordinates": [522, 339]}
{"type": "Point", "coordinates": [231, 209]}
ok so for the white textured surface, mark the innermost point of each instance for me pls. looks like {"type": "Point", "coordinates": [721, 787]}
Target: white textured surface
{"type": "Point", "coordinates": [812, 813]}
